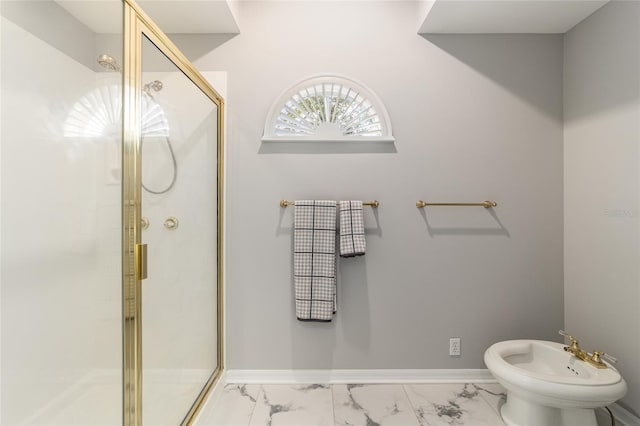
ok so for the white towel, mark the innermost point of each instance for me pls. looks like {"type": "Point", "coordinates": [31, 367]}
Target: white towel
{"type": "Point", "coordinates": [352, 242]}
{"type": "Point", "coordinates": [314, 259]}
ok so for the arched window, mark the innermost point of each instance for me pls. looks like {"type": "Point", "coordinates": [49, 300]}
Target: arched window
{"type": "Point", "coordinates": [328, 108]}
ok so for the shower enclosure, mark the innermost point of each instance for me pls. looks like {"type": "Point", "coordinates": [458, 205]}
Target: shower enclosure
{"type": "Point", "coordinates": [111, 178]}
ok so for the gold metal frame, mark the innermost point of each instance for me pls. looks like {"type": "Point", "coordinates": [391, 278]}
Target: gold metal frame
{"type": "Point", "coordinates": [486, 204]}
{"type": "Point", "coordinates": [137, 25]}
{"type": "Point", "coordinates": [375, 203]}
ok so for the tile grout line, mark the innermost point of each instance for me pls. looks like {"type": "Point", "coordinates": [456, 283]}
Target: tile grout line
{"type": "Point", "coordinates": [255, 405]}
{"type": "Point", "coordinates": [494, 408]}
{"type": "Point", "coordinates": [482, 397]}
{"type": "Point", "coordinates": [333, 404]}
{"type": "Point", "coordinates": [413, 408]}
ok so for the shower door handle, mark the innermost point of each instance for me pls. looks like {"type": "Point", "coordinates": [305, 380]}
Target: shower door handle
{"type": "Point", "coordinates": [141, 261]}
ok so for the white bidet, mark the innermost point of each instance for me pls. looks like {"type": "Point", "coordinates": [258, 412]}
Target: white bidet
{"type": "Point", "coordinates": [547, 386]}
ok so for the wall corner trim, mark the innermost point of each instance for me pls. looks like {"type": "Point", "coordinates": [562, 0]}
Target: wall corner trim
{"type": "Point", "coordinates": [359, 376]}
{"type": "Point", "coordinates": [623, 416]}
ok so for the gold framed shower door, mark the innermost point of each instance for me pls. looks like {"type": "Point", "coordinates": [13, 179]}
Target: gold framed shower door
{"type": "Point", "coordinates": [136, 26]}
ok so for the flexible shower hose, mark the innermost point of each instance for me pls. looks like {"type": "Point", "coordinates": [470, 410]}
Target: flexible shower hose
{"type": "Point", "coordinates": [175, 170]}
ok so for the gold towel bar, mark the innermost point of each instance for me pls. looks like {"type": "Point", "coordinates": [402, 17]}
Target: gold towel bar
{"type": "Point", "coordinates": [374, 203]}
{"type": "Point", "coordinates": [486, 204]}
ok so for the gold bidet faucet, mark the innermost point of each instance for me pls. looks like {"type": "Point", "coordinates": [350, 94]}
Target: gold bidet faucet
{"type": "Point", "coordinates": [594, 359]}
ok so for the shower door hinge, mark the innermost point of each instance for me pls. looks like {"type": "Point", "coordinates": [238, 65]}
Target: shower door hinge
{"type": "Point", "coordinates": [141, 261]}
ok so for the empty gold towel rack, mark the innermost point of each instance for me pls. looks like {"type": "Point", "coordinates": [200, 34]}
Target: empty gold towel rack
{"type": "Point", "coordinates": [374, 203]}
{"type": "Point", "coordinates": [486, 204]}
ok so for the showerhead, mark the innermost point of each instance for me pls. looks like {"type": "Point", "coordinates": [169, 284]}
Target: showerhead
{"type": "Point", "coordinates": [108, 62]}
{"type": "Point", "coordinates": [155, 85]}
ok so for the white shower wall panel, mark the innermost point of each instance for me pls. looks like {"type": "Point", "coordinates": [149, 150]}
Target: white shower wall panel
{"type": "Point", "coordinates": [61, 279]}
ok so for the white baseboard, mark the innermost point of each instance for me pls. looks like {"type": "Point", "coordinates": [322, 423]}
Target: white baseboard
{"type": "Point", "coordinates": [623, 416]}
{"type": "Point", "coordinates": [358, 376]}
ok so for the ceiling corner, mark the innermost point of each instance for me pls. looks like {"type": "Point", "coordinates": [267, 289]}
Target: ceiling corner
{"type": "Point", "coordinates": [506, 16]}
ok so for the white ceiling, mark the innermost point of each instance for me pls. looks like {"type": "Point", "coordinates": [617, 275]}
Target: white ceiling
{"type": "Point", "coordinates": [506, 16]}
{"type": "Point", "coordinates": [444, 16]}
{"type": "Point", "coordinates": [172, 16]}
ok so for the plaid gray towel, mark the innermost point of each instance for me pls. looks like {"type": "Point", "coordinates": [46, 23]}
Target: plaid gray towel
{"type": "Point", "coordinates": [352, 242]}
{"type": "Point", "coordinates": [314, 259]}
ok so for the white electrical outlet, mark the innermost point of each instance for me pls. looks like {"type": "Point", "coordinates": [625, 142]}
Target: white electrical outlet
{"type": "Point", "coordinates": [454, 346]}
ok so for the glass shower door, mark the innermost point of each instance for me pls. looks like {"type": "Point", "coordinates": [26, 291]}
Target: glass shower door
{"type": "Point", "coordinates": [179, 154]}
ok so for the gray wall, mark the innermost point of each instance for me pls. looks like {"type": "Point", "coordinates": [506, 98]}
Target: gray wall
{"type": "Point", "coordinates": [475, 117]}
{"type": "Point", "coordinates": [602, 186]}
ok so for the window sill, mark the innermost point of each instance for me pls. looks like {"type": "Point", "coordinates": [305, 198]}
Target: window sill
{"type": "Point", "coordinates": [346, 140]}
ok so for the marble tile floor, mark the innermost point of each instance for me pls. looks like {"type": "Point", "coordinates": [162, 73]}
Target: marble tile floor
{"type": "Point", "coordinates": [355, 405]}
